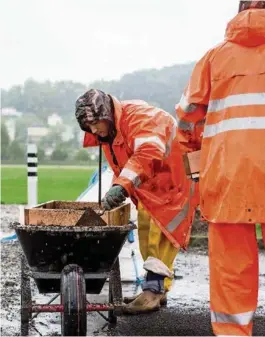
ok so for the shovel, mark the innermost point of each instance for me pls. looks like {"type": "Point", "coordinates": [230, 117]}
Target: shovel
{"type": "Point", "coordinates": [100, 178]}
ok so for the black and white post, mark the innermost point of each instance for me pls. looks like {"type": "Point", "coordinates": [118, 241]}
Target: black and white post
{"type": "Point", "coordinates": [32, 157]}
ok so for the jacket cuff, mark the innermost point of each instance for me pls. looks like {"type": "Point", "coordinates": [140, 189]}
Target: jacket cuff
{"type": "Point", "coordinates": [126, 184]}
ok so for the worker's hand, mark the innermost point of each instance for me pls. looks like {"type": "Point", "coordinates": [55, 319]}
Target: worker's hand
{"type": "Point", "coordinates": [114, 197]}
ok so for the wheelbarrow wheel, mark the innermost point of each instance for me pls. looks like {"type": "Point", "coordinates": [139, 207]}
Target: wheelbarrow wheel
{"type": "Point", "coordinates": [26, 301]}
{"type": "Point", "coordinates": [73, 298]}
{"type": "Point", "coordinates": [115, 291]}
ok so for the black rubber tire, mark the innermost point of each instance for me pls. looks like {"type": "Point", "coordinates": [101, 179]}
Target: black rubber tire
{"type": "Point", "coordinates": [73, 298]}
{"type": "Point", "coordinates": [115, 291]}
{"type": "Point", "coordinates": [26, 300]}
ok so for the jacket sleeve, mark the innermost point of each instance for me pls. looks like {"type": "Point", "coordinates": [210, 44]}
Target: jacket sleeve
{"type": "Point", "coordinates": [192, 108]}
{"type": "Point", "coordinates": [148, 135]}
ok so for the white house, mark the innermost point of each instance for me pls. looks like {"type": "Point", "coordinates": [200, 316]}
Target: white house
{"type": "Point", "coordinates": [35, 133]}
{"type": "Point", "coordinates": [10, 115]}
{"type": "Point", "coordinates": [54, 120]}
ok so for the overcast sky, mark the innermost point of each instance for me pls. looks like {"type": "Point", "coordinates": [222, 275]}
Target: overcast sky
{"type": "Point", "coordinates": [86, 40]}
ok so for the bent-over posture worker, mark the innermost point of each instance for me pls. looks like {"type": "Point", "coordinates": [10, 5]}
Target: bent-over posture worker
{"type": "Point", "coordinates": [138, 142]}
{"type": "Point", "coordinates": [227, 91]}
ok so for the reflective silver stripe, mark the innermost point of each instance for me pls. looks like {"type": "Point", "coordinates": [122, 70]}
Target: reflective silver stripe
{"type": "Point", "coordinates": [189, 126]}
{"type": "Point", "coordinates": [236, 100]}
{"type": "Point", "coordinates": [186, 106]}
{"type": "Point", "coordinates": [233, 124]}
{"type": "Point", "coordinates": [185, 126]}
{"type": "Point", "coordinates": [131, 175]}
{"type": "Point", "coordinates": [242, 319]}
{"type": "Point", "coordinates": [177, 220]}
{"type": "Point", "coordinates": [153, 139]}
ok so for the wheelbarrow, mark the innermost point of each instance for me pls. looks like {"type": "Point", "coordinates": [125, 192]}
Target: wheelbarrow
{"type": "Point", "coordinates": [70, 261]}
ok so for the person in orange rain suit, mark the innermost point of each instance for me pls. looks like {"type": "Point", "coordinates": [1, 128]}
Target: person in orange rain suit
{"type": "Point", "coordinates": [139, 143]}
{"type": "Point", "coordinates": [226, 91]}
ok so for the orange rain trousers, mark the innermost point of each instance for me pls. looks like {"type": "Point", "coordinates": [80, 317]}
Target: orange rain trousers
{"type": "Point", "coordinates": [233, 255]}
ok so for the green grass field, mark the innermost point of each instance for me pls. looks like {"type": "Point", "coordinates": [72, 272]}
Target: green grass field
{"type": "Point", "coordinates": [54, 183]}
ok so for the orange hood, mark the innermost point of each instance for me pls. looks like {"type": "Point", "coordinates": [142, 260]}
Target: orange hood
{"type": "Point", "coordinates": [247, 28]}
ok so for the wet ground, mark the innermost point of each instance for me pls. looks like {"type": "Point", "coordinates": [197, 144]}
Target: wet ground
{"type": "Point", "coordinates": [185, 315]}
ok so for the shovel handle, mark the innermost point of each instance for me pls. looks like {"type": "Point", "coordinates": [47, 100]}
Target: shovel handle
{"type": "Point", "coordinates": [99, 174]}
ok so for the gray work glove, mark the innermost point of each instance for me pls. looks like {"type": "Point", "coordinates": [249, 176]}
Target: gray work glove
{"type": "Point", "coordinates": [114, 197]}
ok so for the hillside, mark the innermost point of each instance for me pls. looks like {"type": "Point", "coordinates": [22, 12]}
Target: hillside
{"type": "Point", "coordinates": [161, 87]}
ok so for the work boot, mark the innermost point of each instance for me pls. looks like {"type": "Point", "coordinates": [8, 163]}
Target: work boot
{"type": "Point", "coordinates": [130, 299]}
{"type": "Point", "coordinates": [149, 300]}
{"type": "Point", "coordinates": [146, 302]}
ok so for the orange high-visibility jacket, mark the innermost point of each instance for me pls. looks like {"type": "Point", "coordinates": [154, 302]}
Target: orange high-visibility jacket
{"type": "Point", "coordinates": [227, 93]}
{"type": "Point", "coordinates": [149, 166]}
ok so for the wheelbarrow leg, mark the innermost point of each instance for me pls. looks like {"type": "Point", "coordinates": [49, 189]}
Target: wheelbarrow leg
{"type": "Point", "coordinates": [26, 301]}
{"type": "Point", "coordinates": [115, 290]}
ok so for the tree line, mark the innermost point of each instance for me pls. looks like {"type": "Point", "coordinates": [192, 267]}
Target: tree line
{"type": "Point", "coordinates": [160, 87]}
{"type": "Point", "coordinates": [38, 100]}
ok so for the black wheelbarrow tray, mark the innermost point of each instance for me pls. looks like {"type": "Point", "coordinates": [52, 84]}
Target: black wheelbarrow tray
{"type": "Point", "coordinates": [71, 261]}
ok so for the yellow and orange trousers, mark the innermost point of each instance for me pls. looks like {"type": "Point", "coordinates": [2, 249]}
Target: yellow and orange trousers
{"type": "Point", "coordinates": [153, 243]}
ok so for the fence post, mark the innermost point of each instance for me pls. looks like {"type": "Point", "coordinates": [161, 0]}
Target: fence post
{"type": "Point", "coordinates": [32, 160]}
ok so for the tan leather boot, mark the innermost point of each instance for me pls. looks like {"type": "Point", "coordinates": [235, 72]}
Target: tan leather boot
{"type": "Point", "coordinates": [130, 299]}
{"type": "Point", "coordinates": [146, 302]}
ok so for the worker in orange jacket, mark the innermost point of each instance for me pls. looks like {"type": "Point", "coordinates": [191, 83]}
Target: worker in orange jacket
{"type": "Point", "coordinates": [139, 143]}
{"type": "Point", "coordinates": [226, 94]}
